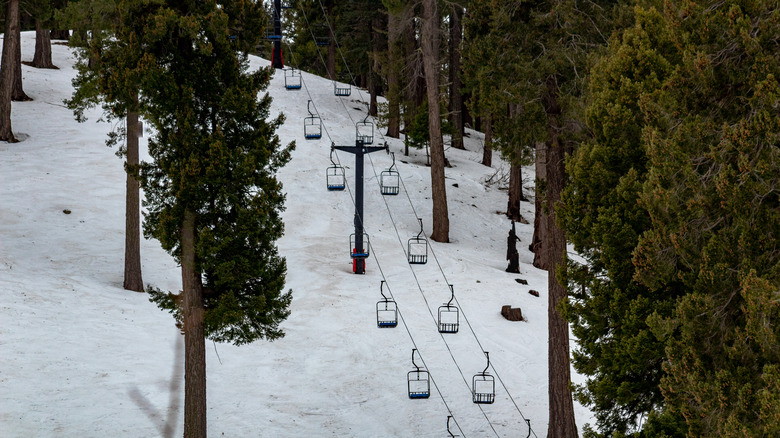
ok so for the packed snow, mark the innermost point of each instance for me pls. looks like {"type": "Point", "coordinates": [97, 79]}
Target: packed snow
{"type": "Point", "coordinates": [82, 357]}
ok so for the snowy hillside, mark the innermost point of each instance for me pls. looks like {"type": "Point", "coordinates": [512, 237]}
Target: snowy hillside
{"type": "Point", "coordinates": [81, 357]}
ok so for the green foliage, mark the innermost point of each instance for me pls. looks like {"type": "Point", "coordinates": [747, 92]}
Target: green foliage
{"type": "Point", "coordinates": [712, 197]}
{"type": "Point", "coordinates": [603, 218]}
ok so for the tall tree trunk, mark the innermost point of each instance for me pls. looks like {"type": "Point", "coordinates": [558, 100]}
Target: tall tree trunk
{"type": "Point", "coordinates": [487, 149]}
{"type": "Point", "coordinates": [561, 419]}
{"type": "Point", "coordinates": [515, 193]}
{"type": "Point", "coordinates": [194, 334]}
{"type": "Point", "coordinates": [6, 71]}
{"type": "Point", "coordinates": [17, 91]}
{"type": "Point", "coordinates": [394, 58]}
{"type": "Point", "coordinates": [133, 280]}
{"type": "Point", "coordinates": [430, 50]}
{"type": "Point", "coordinates": [539, 241]}
{"type": "Point", "coordinates": [42, 56]}
{"type": "Point", "coordinates": [378, 27]}
{"type": "Point", "coordinates": [456, 99]}
{"type": "Point", "coordinates": [331, 67]}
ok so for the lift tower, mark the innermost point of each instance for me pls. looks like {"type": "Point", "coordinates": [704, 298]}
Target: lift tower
{"type": "Point", "coordinates": [359, 253]}
{"type": "Point", "coordinates": [276, 58]}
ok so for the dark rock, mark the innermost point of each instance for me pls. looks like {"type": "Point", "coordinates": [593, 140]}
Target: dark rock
{"type": "Point", "coordinates": [521, 281]}
{"type": "Point", "coordinates": [512, 314]}
{"type": "Point", "coordinates": [533, 292]}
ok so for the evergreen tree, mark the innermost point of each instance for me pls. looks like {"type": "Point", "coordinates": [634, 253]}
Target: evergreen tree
{"type": "Point", "coordinates": [712, 195]}
{"type": "Point", "coordinates": [604, 220]}
{"type": "Point", "coordinates": [7, 72]}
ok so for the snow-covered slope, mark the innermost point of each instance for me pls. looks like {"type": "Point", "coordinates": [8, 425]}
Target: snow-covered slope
{"type": "Point", "coordinates": [81, 357]}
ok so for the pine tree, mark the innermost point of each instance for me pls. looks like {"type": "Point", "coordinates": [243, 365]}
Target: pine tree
{"type": "Point", "coordinates": [712, 197]}
{"type": "Point", "coordinates": [212, 197]}
{"type": "Point", "coordinates": [7, 72]}
{"type": "Point", "coordinates": [604, 220]}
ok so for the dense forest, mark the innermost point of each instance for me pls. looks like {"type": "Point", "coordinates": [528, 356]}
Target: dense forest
{"type": "Point", "coordinates": [654, 129]}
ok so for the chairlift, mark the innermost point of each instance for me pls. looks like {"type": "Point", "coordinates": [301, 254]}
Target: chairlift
{"type": "Point", "coordinates": [334, 176]}
{"type": "Point", "coordinates": [390, 180]}
{"type": "Point", "coordinates": [418, 381]}
{"type": "Point", "coordinates": [386, 310]}
{"type": "Point", "coordinates": [292, 79]}
{"type": "Point", "coordinates": [418, 248]}
{"type": "Point", "coordinates": [449, 316]}
{"type": "Point", "coordinates": [341, 89]}
{"type": "Point", "coordinates": [312, 125]}
{"type": "Point", "coordinates": [321, 35]}
{"type": "Point", "coordinates": [483, 386]}
{"type": "Point", "coordinates": [353, 252]}
{"type": "Point", "coordinates": [448, 427]}
{"type": "Point", "coordinates": [364, 131]}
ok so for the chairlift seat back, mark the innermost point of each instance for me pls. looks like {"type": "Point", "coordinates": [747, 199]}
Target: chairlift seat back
{"type": "Point", "coordinates": [364, 131]}
{"type": "Point", "coordinates": [449, 319]}
{"type": "Point", "coordinates": [390, 182]}
{"type": "Point", "coordinates": [483, 389]}
{"type": "Point", "coordinates": [353, 246]}
{"type": "Point", "coordinates": [419, 384]}
{"type": "Point", "coordinates": [335, 178]}
{"type": "Point", "coordinates": [341, 90]}
{"type": "Point", "coordinates": [417, 251]}
{"type": "Point", "coordinates": [292, 79]}
{"type": "Point", "coordinates": [386, 314]}
{"type": "Point", "coordinates": [312, 128]}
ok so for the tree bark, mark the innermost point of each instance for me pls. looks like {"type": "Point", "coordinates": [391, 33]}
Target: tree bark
{"type": "Point", "coordinates": [17, 92]}
{"type": "Point", "coordinates": [561, 423]}
{"type": "Point", "coordinates": [42, 56]}
{"type": "Point", "coordinates": [6, 72]}
{"type": "Point", "coordinates": [194, 334]}
{"type": "Point", "coordinates": [487, 149]}
{"type": "Point", "coordinates": [515, 193]}
{"type": "Point", "coordinates": [133, 279]}
{"type": "Point", "coordinates": [539, 241]}
{"type": "Point", "coordinates": [456, 98]}
{"type": "Point", "coordinates": [430, 49]}
{"type": "Point", "coordinates": [378, 26]}
{"type": "Point", "coordinates": [394, 58]}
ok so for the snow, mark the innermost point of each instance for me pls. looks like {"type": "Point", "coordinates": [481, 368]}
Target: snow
{"type": "Point", "coordinates": [80, 356]}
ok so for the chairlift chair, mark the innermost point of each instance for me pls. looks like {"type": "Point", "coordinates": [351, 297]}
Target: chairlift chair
{"type": "Point", "coordinates": [449, 316]}
{"type": "Point", "coordinates": [417, 249]}
{"type": "Point", "coordinates": [386, 310]}
{"type": "Point", "coordinates": [321, 35]}
{"type": "Point", "coordinates": [292, 79]}
{"type": "Point", "coordinates": [418, 381]}
{"type": "Point", "coordinates": [483, 386]}
{"type": "Point", "coordinates": [312, 125]}
{"type": "Point", "coordinates": [390, 180]}
{"type": "Point", "coordinates": [334, 176]}
{"type": "Point", "coordinates": [364, 131]}
{"type": "Point", "coordinates": [341, 89]}
{"type": "Point", "coordinates": [353, 252]}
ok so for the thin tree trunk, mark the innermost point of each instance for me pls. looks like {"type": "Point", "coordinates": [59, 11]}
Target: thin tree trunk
{"type": "Point", "coordinates": [394, 58]}
{"type": "Point", "coordinates": [194, 334]}
{"type": "Point", "coordinates": [6, 72]}
{"type": "Point", "coordinates": [561, 423]}
{"type": "Point", "coordinates": [487, 150]}
{"type": "Point", "coordinates": [539, 241]}
{"type": "Point", "coordinates": [331, 67]}
{"type": "Point", "coordinates": [430, 49]}
{"type": "Point", "coordinates": [42, 56]}
{"type": "Point", "coordinates": [456, 99]}
{"type": "Point", "coordinates": [133, 279]}
{"type": "Point", "coordinates": [515, 193]}
{"type": "Point", "coordinates": [378, 27]}
{"type": "Point", "coordinates": [17, 91]}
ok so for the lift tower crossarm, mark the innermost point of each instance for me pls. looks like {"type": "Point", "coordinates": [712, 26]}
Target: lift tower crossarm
{"type": "Point", "coordinates": [359, 150]}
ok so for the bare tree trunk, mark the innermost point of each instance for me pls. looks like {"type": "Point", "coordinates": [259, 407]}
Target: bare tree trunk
{"type": "Point", "coordinates": [456, 99]}
{"type": "Point", "coordinates": [561, 423]}
{"type": "Point", "coordinates": [487, 149]}
{"type": "Point", "coordinates": [539, 241]}
{"type": "Point", "coordinates": [394, 58]}
{"type": "Point", "coordinates": [515, 193]}
{"type": "Point", "coordinates": [430, 50]}
{"type": "Point", "coordinates": [17, 91]}
{"type": "Point", "coordinates": [10, 40]}
{"type": "Point", "coordinates": [133, 279]}
{"type": "Point", "coordinates": [331, 67]}
{"type": "Point", "coordinates": [42, 56]}
{"type": "Point", "coordinates": [194, 334]}
{"type": "Point", "coordinates": [378, 26]}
